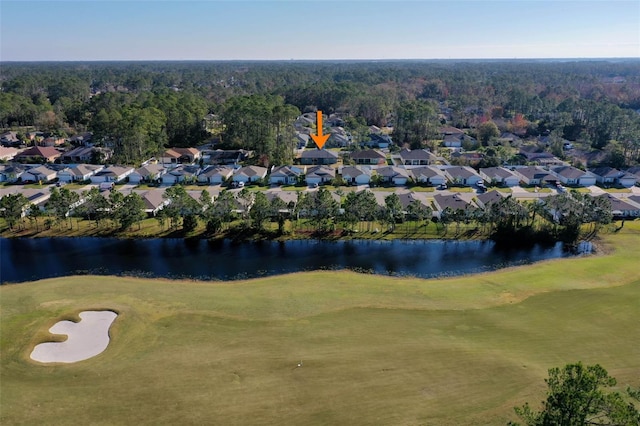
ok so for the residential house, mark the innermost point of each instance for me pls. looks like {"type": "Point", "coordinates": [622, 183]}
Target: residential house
{"type": "Point", "coordinates": [628, 180]}
{"type": "Point", "coordinates": [623, 208]}
{"type": "Point", "coordinates": [290, 198]}
{"type": "Point", "coordinates": [534, 155]}
{"type": "Point", "coordinates": [356, 175]}
{"type": "Point", "coordinates": [11, 172]}
{"type": "Point", "coordinates": [149, 173]}
{"type": "Point", "coordinates": [486, 199]}
{"type": "Point", "coordinates": [635, 171]}
{"type": "Point", "coordinates": [611, 176]}
{"type": "Point", "coordinates": [429, 175]}
{"type": "Point", "coordinates": [82, 139]}
{"type": "Point", "coordinates": [406, 198]}
{"type": "Point", "coordinates": [215, 175]}
{"type": "Point", "coordinates": [369, 157]}
{"type": "Point", "coordinates": [153, 201]}
{"type": "Point", "coordinates": [417, 157]}
{"type": "Point", "coordinates": [606, 175]}
{"type": "Point", "coordinates": [86, 154]}
{"type": "Point", "coordinates": [112, 174]}
{"type": "Point", "coordinates": [449, 130]}
{"type": "Point", "coordinates": [7, 154]}
{"type": "Point", "coordinates": [548, 140]}
{"type": "Point", "coordinates": [78, 173]}
{"type": "Point", "coordinates": [37, 197]}
{"type": "Point", "coordinates": [39, 153]}
{"type": "Point", "coordinates": [452, 141]}
{"type": "Point", "coordinates": [305, 120]}
{"type": "Point", "coordinates": [334, 120]}
{"type": "Point", "coordinates": [52, 141]}
{"type": "Point", "coordinates": [393, 174]}
{"type": "Point", "coordinates": [170, 158]}
{"type": "Point", "coordinates": [452, 137]}
{"type": "Point", "coordinates": [285, 175]}
{"type": "Point", "coordinates": [249, 174]}
{"type": "Point", "coordinates": [499, 176]}
{"type": "Point", "coordinates": [181, 174]}
{"type": "Point", "coordinates": [320, 174]}
{"type": "Point", "coordinates": [226, 157]}
{"type": "Point", "coordinates": [302, 140]}
{"type": "Point", "coordinates": [9, 139]}
{"type": "Point", "coordinates": [379, 140]}
{"type": "Point", "coordinates": [453, 202]}
{"type": "Point", "coordinates": [471, 158]}
{"type": "Point", "coordinates": [462, 175]}
{"type": "Point", "coordinates": [509, 138]}
{"type": "Point", "coordinates": [570, 175]}
{"type": "Point", "coordinates": [175, 156]}
{"type": "Point", "coordinates": [534, 175]}
{"type": "Point", "coordinates": [41, 174]}
{"type": "Point", "coordinates": [34, 135]}
{"type": "Point", "coordinates": [318, 157]}
{"type": "Point", "coordinates": [338, 138]}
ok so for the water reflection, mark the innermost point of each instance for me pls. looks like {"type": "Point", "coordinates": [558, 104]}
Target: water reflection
{"type": "Point", "coordinates": [30, 259]}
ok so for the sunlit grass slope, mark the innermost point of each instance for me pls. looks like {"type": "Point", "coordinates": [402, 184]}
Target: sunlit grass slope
{"type": "Point", "coordinates": [374, 350]}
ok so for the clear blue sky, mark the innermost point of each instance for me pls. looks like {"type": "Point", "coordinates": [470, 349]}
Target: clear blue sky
{"type": "Point", "coordinates": [269, 29]}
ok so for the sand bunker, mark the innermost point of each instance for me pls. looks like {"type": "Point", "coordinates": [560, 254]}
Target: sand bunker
{"type": "Point", "coordinates": [86, 338]}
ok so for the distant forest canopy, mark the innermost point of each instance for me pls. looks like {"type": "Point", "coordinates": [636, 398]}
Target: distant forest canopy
{"type": "Point", "coordinates": [139, 108]}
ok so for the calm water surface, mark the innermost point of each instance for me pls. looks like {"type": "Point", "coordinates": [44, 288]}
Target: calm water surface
{"type": "Point", "coordinates": [30, 259]}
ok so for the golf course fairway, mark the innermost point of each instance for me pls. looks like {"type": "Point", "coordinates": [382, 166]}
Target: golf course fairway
{"type": "Point", "coordinates": [326, 347]}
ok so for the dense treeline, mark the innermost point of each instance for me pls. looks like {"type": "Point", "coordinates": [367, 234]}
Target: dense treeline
{"type": "Point", "coordinates": [263, 124]}
{"type": "Point", "coordinates": [142, 107]}
{"type": "Point", "coordinates": [566, 216]}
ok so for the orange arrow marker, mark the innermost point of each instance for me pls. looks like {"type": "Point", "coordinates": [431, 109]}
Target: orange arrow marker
{"type": "Point", "coordinates": [319, 139]}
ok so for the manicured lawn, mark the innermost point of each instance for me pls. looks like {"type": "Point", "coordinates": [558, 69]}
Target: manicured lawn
{"type": "Point", "coordinates": [533, 189]}
{"type": "Point", "coordinates": [580, 189]}
{"type": "Point", "coordinates": [500, 189]}
{"type": "Point", "coordinates": [385, 188]}
{"type": "Point", "coordinates": [422, 189]}
{"type": "Point", "coordinates": [147, 186]}
{"type": "Point", "coordinates": [461, 189]}
{"type": "Point", "coordinates": [293, 188]}
{"type": "Point", "coordinates": [333, 188]}
{"type": "Point", "coordinates": [617, 190]}
{"type": "Point", "coordinates": [375, 350]}
{"type": "Point", "coordinates": [194, 187]}
{"type": "Point", "coordinates": [35, 186]}
{"type": "Point", "coordinates": [75, 185]}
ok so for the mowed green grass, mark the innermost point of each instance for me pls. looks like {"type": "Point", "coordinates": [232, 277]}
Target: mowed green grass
{"type": "Point", "coordinates": [375, 350]}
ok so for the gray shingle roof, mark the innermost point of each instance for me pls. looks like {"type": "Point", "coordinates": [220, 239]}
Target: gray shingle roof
{"type": "Point", "coordinates": [452, 201]}
{"type": "Point", "coordinates": [368, 154]}
{"type": "Point", "coordinates": [415, 154]}
{"type": "Point", "coordinates": [319, 153]}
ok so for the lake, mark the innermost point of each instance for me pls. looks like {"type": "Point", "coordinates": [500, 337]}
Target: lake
{"type": "Point", "coordinates": [27, 259]}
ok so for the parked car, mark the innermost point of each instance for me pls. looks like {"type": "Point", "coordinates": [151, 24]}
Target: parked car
{"type": "Point", "coordinates": [106, 186]}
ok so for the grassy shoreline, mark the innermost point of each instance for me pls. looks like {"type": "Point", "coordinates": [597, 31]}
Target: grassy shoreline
{"type": "Point", "coordinates": [303, 229]}
{"type": "Point", "coordinates": [150, 228]}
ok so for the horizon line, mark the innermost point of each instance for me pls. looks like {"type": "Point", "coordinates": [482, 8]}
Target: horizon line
{"type": "Point", "coordinates": [569, 58]}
